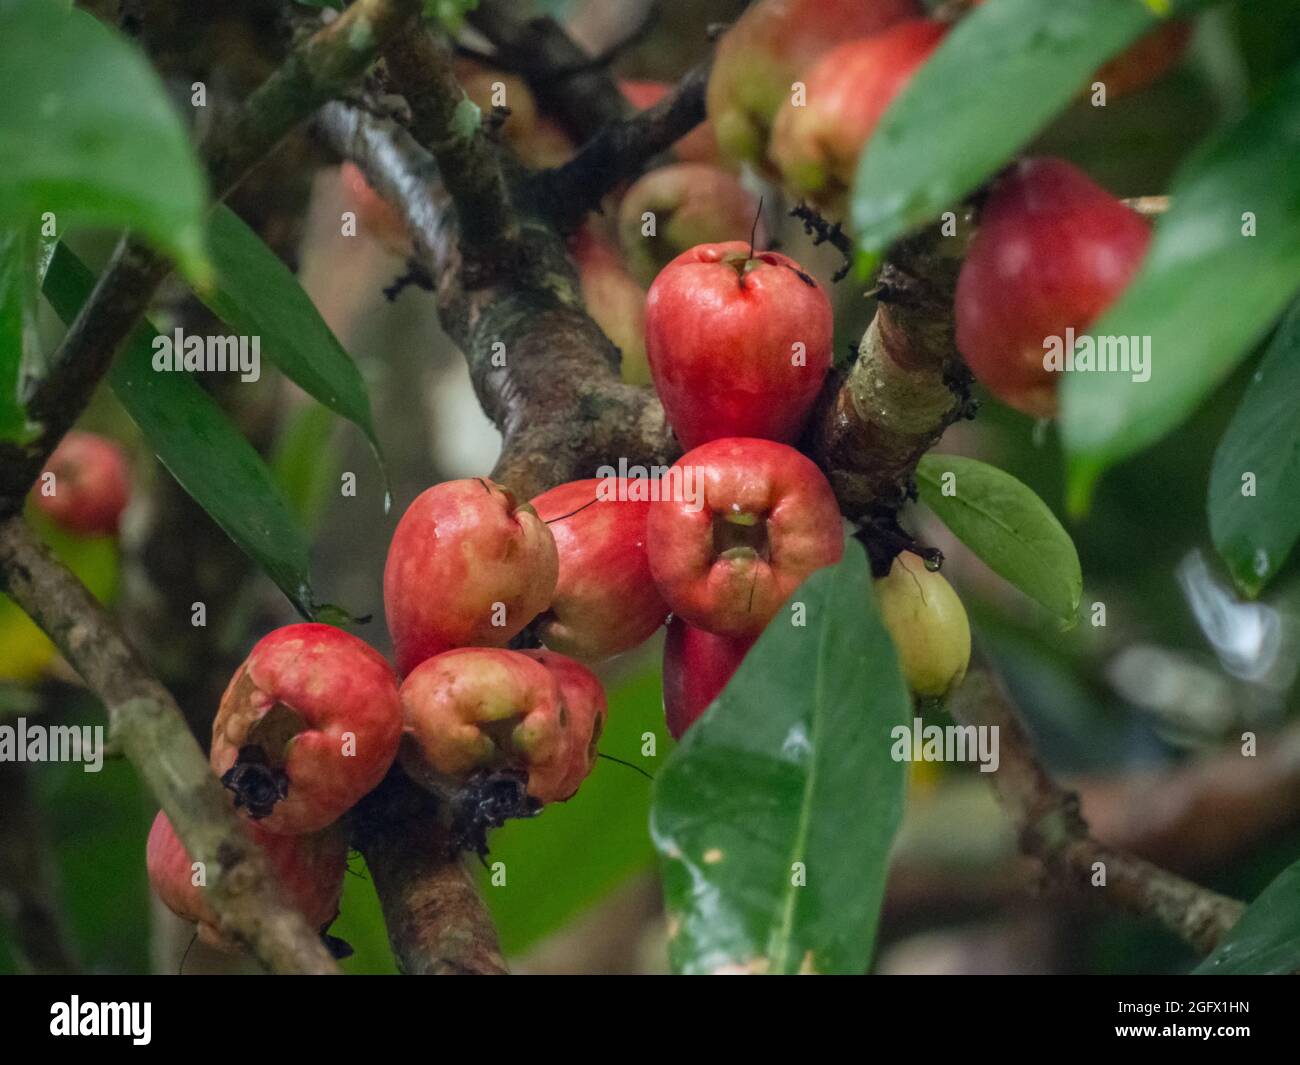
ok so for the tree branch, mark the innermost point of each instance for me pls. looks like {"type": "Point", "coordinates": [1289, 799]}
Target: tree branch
{"type": "Point", "coordinates": [315, 71]}
{"type": "Point", "coordinates": [619, 152]}
{"type": "Point", "coordinates": [1052, 830]}
{"type": "Point", "coordinates": [145, 720]}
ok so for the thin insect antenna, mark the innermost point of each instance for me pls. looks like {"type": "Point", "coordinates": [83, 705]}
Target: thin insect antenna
{"type": "Point", "coordinates": [185, 957]}
{"type": "Point", "coordinates": [611, 758]}
{"type": "Point", "coordinates": [572, 512]}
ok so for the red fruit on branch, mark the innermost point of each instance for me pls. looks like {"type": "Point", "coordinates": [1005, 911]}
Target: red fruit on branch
{"type": "Point", "coordinates": [770, 46]}
{"type": "Point", "coordinates": [738, 343]}
{"type": "Point", "coordinates": [309, 870]}
{"type": "Point", "coordinates": [1052, 252]}
{"type": "Point", "coordinates": [753, 520]}
{"type": "Point", "coordinates": [698, 146]}
{"type": "Point", "coordinates": [485, 709]}
{"type": "Point", "coordinates": [584, 701]}
{"type": "Point", "coordinates": [816, 140]}
{"type": "Point", "coordinates": [697, 666]}
{"type": "Point", "coordinates": [614, 300]}
{"type": "Point", "coordinates": [85, 485]}
{"type": "Point", "coordinates": [466, 566]}
{"type": "Point", "coordinates": [672, 209]}
{"type": "Point", "coordinates": [605, 600]}
{"type": "Point", "coordinates": [308, 725]}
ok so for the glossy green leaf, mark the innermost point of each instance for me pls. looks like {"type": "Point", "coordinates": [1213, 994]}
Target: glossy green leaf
{"type": "Point", "coordinates": [88, 135]}
{"type": "Point", "coordinates": [1013, 531]}
{"type": "Point", "coordinates": [1266, 940]}
{"type": "Point", "coordinates": [198, 444]}
{"type": "Point", "coordinates": [1224, 262]}
{"type": "Point", "coordinates": [774, 817]}
{"type": "Point", "coordinates": [575, 853]}
{"type": "Point", "coordinates": [305, 461]}
{"type": "Point", "coordinates": [1254, 495]}
{"type": "Point", "coordinates": [256, 295]}
{"type": "Point", "coordinates": [1003, 72]}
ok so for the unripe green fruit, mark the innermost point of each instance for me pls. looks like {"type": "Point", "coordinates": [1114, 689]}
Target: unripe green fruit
{"type": "Point", "coordinates": [927, 623]}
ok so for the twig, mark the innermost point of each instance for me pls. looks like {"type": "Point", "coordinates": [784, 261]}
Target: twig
{"type": "Point", "coordinates": [823, 232]}
{"type": "Point", "coordinates": [145, 720]}
{"type": "Point", "coordinates": [1052, 829]}
{"type": "Point", "coordinates": [620, 151]}
{"type": "Point", "coordinates": [583, 98]}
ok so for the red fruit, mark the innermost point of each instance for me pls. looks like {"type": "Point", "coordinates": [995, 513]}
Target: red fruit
{"type": "Point", "coordinates": [1146, 60]}
{"type": "Point", "coordinates": [698, 146]}
{"type": "Point", "coordinates": [466, 566]}
{"type": "Point", "coordinates": [614, 300]}
{"type": "Point", "coordinates": [309, 868]}
{"type": "Point", "coordinates": [1052, 252]}
{"type": "Point", "coordinates": [697, 666]}
{"type": "Point", "coordinates": [768, 48]}
{"type": "Point", "coordinates": [738, 345]}
{"type": "Point", "coordinates": [584, 699]}
{"type": "Point", "coordinates": [692, 203]}
{"type": "Point", "coordinates": [768, 519]}
{"type": "Point", "coordinates": [89, 488]}
{"type": "Point", "coordinates": [605, 599]}
{"type": "Point", "coordinates": [816, 145]}
{"type": "Point", "coordinates": [308, 725]}
{"type": "Point", "coordinates": [376, 216]}
{"type": "Point", "coordinates": [483, 708]}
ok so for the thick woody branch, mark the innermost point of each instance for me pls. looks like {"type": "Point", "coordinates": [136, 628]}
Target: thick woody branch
{"type": "Point", "coordinates": [877, 417]}
{"type": "Point", "coordinates": [543, 371]}
{"type": "Point", "coordinates": [1052, 830]}
{"type": "Point", "coordinates": [620, 152]}
{"type": "Point", "coordinates": [437, 925]}
{"type": "Point", "coordinates": [318, 69]}
{"type": "Point", "coordinates": [146, 722]}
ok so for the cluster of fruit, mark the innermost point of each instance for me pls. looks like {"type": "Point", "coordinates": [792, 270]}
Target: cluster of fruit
{"type": "Point", "coordinates": [737, 343]}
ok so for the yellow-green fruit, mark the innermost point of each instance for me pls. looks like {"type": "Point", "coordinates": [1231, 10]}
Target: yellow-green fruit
{"type": "Point", "coordinates": [927, 623]}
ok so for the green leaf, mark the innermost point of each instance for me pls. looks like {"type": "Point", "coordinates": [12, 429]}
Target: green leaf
{"type": "Point", "coordinates": [1005, 70]}
{"type": "Point", "coordinates": [789, 774]}
{"type": "Point", "coordinates": [304, 461]}
{"type": "Point", "coordinates": [1266, 940]}
{"type": "Point", "coordinates": [88, 135]}
{"type": "Point", "coordinates": [257, 296]}
{"type": "Point", "coordinates": [1205, 294]}
{"type": "Point", "coordinates": [575, 853]}
{"type": "Point", "coordinates": [1006, 525]}
{"type": "Point", "coordinates": [198, 444]}
{"type": "Point", "coordinates": [1255, 532]}
{"type": "Point", "coordinates": [18, 271]}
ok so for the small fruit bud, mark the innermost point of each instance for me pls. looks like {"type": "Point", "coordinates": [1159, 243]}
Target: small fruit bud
{"type": "Point", "coordinates": [927, 623]}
